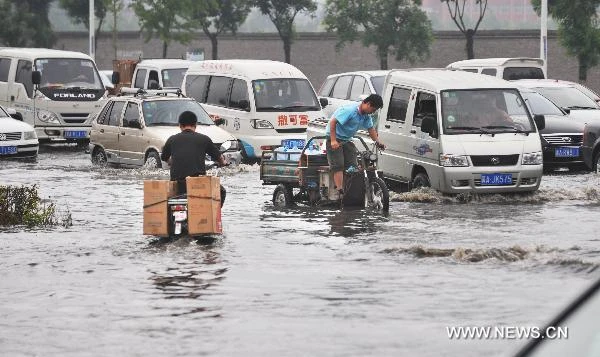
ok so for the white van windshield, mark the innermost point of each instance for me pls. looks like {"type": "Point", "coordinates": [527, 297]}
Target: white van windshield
{"type": "Point", "coordinates": [284, 94]}
{"type": "Point", "coordinates": [68, 73]}
{"type": "Point", "coordinates": [172, 78]}
{"type": "Point", "coordinates": [166, 112]}
{"type": "Point", "coordinates": [484, 111]}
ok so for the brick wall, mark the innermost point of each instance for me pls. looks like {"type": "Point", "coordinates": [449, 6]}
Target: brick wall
{"type": "Point", "coordinates": [315, 55]}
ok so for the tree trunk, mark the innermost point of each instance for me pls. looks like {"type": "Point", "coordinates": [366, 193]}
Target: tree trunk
{"type": "Point", "coordinates": [165, 46]}
{"type": "Point", "coordinates": [470, 34]}
{"type": "Point", "coordinates": [215, 46]}
{"type": "Point", "coordinates": [287, 48]}
{"type": "Point", "coordinates": [583, 69]}
{"type": "Point", "coordinates": [96, 34]}
{"type": "Point", "coordinates": [382, 54]}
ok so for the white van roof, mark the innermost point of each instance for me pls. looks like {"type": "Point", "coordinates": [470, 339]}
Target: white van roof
{"type": "Point", "coordinates": [165, 63]}
{"type": "Point", "coordinates": [439, 79]}
{"type": "Point", "coordinates": [251, 69]}
{"type": "Point", "coordinates": [374, 73]}
{"type": "Point", "coordinates": [535, 83]}
{"type": "Point", "coordinates": [496, 62]}
{"type": "Point", "coordinates": [33, 53]}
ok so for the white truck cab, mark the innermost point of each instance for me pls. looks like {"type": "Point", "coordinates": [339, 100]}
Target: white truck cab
{"type": "Point", "coordinates": [159, 73]}
{"type": "Point", "coordinates": [458, 132]}
{"type": "Point", "coordinates": [505, 68]}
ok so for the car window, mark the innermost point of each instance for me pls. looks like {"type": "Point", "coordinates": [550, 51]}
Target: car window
{"type": "Point", "coordinates": [538, 104]}
{"type": "Point", "coordinates": [340, 89]}
{"type": "Point", "coordinates": [489, 71]}
{"type": "Point", "coordinates": [425, 107]}
{"type": "Point", "coordinates": [239, 92]}
{"type": "Point", "coordinates": [103, 116]}
{"type": "Point", "coordinates": [398, 105]}
{"type": "Point", "coordinates": [358, 88]}
{"type": "Point", "coordinates": [131, 113]}
{"type": "Point", "coordinates": [195, 87]}
{"type": "Point", "coordinates": [218, 90]}
{"type": "Point", "coordinates": [172, 78]}
{"type": "Point", "coordinates": [567, 97]}
{"type": "Point", "coordinates": [472, 70]}
{"type": "Point", "coordinates": [512, 73]}
{"type": "Point", "coordinates": [4, 68]}
{"type": "Point", "coordinates": [287, 94]}
{"type": "Point", "coordinates": [23, 75]}
{"type": "Point", "coordinates": [140, 77]}
{"type": "Point", "coordinates": [326, 87]}
{"type": "Point", "coordinates": [153, 79]}
{"type": "Point", "coordinates": [115, 113]}
{"type": "Point", "coordinates": [166, 112]}
{"type": "Point", "coordinates": [377, 83]}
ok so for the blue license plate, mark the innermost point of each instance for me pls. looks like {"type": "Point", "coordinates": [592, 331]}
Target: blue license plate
{"type": "Point", "coordinates": [566, 152]}
{"type": "Point", "coordinates": [75, 134]}
{"type": "Point", "coordinates": [496, 179]}
{"type": "Point", "coordinates": [8, 150]}
{"type": "Point", "coordinates": [293, 143]}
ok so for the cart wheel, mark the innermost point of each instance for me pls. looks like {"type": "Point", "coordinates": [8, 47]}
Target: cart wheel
{"type": "Point", "coordinates": [380, 195]}
{"type": "Point", "coordinates": [282, 196]}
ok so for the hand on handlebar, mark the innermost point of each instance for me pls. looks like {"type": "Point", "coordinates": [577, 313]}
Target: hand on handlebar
{"type": "Point", "coordinates": [335, 144]}
{"type": "Point", "coordinates": [380, 145]}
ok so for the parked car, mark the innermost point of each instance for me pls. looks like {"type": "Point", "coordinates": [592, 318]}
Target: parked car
{"type": "Point", "coordinates": [17, 138]}
{"type": "Point", "coordinates": [505, 68]}
{"type": "Point", "coordinates": [566, 96]}
{"type": "Point", "coordinates": [561, 137]}
{"type": "Point", "coordinates": [575, 331]}
{"type": "Point", "coordinates": [132, 130]}
{"type": "Point", "coordinates": [344, 88]}
{"type": "Point", "coordinates": [591, 146]}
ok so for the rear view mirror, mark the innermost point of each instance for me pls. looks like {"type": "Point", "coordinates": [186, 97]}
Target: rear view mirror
{"type": "Point", "coordinates": [14, 114]}
{"type": "Point", "coordinates": [219, 121]}
{"type": "Point", "coordinates": [36, 77]}
{"type": "Point", "coordinates": [244, 104]}
{"type": "Point", "coordinates": [540, 121]}
{"type": "Point", "coordinates": [324, 102]}
{"type": "Point", "coordinates": [429, 126]}
{"type": "Point", "coordinates": [116, 78]}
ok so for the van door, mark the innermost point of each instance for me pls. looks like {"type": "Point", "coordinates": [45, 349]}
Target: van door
{"type": "Point", "coordinates": [20, 92]}
{"type": "Point", "coordinates": [4, 71]}
{"type": "Point", "coordinates": [131, 139]}
{"type": "Point", "coordinates": [393, 132]}
{"type": "Point", "coordinates": [111, 132]}
{"type": "Point", "coordinates": [425, 148]}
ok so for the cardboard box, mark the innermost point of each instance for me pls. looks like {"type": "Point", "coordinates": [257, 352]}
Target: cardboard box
{"type": "Point", "coordinates": [203, 187]}
{"type": "Point", "coordinates": [156, 194]}
{"type": "Point", "coordinates": [204, 205]}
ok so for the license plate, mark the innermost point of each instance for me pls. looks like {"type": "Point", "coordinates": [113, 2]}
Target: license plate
{"type": "Point", "coordinates": [75, 134]}
{"type": "Point", "coordinates": [496, 179]}
{"type": "Point", "coordinates": [566, 152]}
{"type": "Point", "coordinates": [293, 143]}
{"type": "Point", "coordinates": [7, 150]}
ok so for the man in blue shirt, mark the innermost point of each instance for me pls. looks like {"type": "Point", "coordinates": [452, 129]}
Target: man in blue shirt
{"type": "Point", "coordinates": [344, 123]}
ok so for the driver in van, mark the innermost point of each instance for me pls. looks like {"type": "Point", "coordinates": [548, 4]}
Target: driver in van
{"type": "Point", "coordinates": [343, 125]}
{"type": "Point", "coordinates": [186, 151]}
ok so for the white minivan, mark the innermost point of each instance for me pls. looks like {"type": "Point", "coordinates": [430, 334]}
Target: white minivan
{"type": "Point", "coordinates": [505, 68]}
{"type": "Point", "coordinates": [159, 73]}
{"type": "Point", "coordinates": [265, 104]}
{"type": "Point", "coordinates": [458, 132]}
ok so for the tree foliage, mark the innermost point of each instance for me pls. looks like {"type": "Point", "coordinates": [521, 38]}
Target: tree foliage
{"type": "Point", "coordinates": [456, 8]}
{"type": "Point", "coordinates": [214, 17]}
{"type": "Point", "coordinates": [397, 27]}
{"type": "Point", "coordinates": [577, 30]}
{"type": "Point", "coordinates": [283, 13]}
{"type": "Point", "coordinates": [25, 23]}
{"type": "Point", "coordinates": [162, 19]}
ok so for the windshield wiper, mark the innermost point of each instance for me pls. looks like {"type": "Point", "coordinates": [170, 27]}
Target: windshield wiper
{"type": "Point", "coordinates": [472, 128]}
{"type": "Point", "coordinates": [301, 106]}
{"type": "Point", "coordinates": [576, 107]}
{"type": "Point", "coordinates": [515, 130]}
{"type": "Point", "coordinates": [162, 123]}
{"type": "Point", "coordinates": [205, 124]}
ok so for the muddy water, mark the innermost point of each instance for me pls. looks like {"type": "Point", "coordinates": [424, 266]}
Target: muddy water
{"type": "Point", "coordinates": [297, 282]}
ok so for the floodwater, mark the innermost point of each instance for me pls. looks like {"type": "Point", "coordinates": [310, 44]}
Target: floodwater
{"type": "Point", "coordinates": [297, 282]}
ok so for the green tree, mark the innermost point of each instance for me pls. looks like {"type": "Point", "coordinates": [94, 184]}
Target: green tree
{"type": "Point", "coordinates": [26, 24]}
{"type": "Point", "coordinates": [456, 8]}
{"type": "Point", "coordinates": [283, 13]}
{"type": "Point", "coordinates": [162, 19]}
{"type": "Point", "coordinates": [79, 11]}
{"type": "Point", "coordinates": [397, 27]}
{"type": "Point", "coordinates": [577, 30]}
{"type": "Point", "coordinates": [216, 16]}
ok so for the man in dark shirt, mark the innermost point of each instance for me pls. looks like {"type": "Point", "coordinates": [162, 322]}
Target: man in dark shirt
{"type": "Point", "coordinates": [186, 151]}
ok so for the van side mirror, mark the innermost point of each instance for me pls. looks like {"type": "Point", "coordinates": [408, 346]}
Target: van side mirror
{"type": "Point", "coordinates": [566, 110]}
{"type": "Point", "coordinates": [540, 121]}
{"type": "Point", "coordinates": [429, 126]}
{"type": "Point", "coordinates": [116, 77]}
{"type": "Point", "coordinates": [244, 104]}
{"type": "Point", "coordinates": [324, 102]}
{"type": "Point", "coordinates": [36, 77]}
{"type": "Point", "coordinates": [219, 121]}
{"type": "Point", "coordinates": [14, 114]}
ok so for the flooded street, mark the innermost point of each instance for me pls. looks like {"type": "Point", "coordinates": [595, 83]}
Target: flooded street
{"type": "Point", "coordinates": [297, 282]}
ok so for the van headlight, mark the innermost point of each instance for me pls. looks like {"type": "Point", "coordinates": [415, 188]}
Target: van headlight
{"type": "Point", "coordinates": [235, 145]}
{"type": "Point", "coordinates": [47, 116]}
{"type": "Point", "coordinates": [449, 160]}
{"type": "Point", "coordinates": [29, 135]}
{"type": "Point", "coordinates": [533, 158]}
{"type": "Point", "coordinates": [261, 124]}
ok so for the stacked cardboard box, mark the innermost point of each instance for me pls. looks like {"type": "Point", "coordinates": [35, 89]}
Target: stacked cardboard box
{"type": "Point", "coordinates": [156, 194]}
{"type": "Point", "coordinates": [204, 205]}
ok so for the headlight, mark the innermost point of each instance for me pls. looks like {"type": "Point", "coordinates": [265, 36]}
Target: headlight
{"type": "Point", "coordinates": [47, 116]}
{"type": "Point", "coordinates": [533, 158]}
{"type": "Point", "coordinates": [453, 160]}
{"type": "Point", "coordinates": [29, 135]}
{"type": "Point", "coordinates": [261, 124]}
{"type": "Point", "coordinates": [235, 145]}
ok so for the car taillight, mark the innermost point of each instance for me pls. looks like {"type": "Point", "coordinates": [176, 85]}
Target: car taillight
{"type": "Point", "coordinates": [178, 208]}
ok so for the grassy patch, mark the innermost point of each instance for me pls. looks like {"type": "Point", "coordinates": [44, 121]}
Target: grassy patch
{"type": "Point", "coordinates": [22, 205]}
